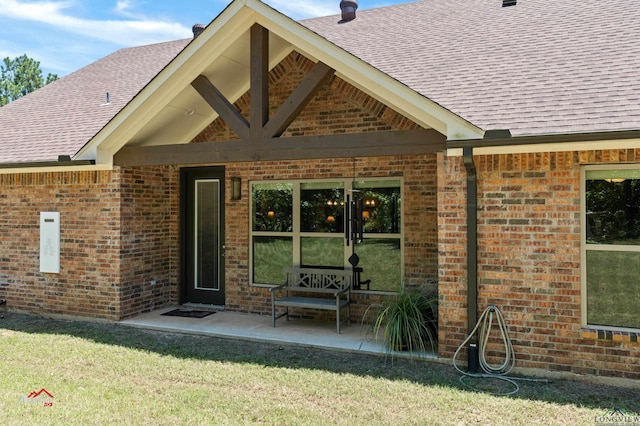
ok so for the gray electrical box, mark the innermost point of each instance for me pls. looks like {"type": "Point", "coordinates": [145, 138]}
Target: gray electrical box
{"type": "Point", "coordinates": [50, 242]}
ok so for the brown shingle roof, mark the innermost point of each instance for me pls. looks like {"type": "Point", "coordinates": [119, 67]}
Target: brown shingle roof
{"type": "Point", "coordinates": [64, 115]}
{"type": "Point", "coordinates": [539, 67]}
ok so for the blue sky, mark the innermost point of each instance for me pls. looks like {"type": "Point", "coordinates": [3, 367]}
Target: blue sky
{"type": "Point", "coordinates": [65, 35]}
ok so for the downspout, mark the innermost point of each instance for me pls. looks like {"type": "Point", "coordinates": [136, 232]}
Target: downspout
{"type": "Point", "coordinates": [502, 138]}
{"type": "Point", "coordinates": [472, 257]}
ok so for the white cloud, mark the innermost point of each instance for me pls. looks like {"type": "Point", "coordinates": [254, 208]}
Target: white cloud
{"type": "Point", "coordinates": [122, 32]}
{"type": "Point", "coordinates": [123, 5]}
{"type": "Point", "coordinates": [125, 8]}
{"type": "Point", "coordinates": [18, 10]}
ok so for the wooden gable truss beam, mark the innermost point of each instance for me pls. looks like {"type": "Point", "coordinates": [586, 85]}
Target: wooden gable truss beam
{"type": "Point", "coordinates": [260, 136]}
{"type": "Point", "coordinates": [259, 127]}
{"type": "Point", "coordinates": [222, 106]}
{"type": "Point", "coordinates": [259, 81]}
{"type": "Point", "coordinates": [347, 145]}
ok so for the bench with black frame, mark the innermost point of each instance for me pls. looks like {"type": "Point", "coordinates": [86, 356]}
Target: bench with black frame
{"type": "Point", "coordinates": [313, 288]}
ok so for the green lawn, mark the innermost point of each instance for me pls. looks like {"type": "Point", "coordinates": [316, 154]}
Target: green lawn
{"type": "Point", "coordinates": [111, 374]}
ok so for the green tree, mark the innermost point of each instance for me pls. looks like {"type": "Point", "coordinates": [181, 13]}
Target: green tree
{"type": "Point", "coordinates": [20, 76]}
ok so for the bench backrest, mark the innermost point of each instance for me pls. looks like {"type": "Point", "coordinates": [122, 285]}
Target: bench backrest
{"type": "Point", "coordinates": [318, 279]}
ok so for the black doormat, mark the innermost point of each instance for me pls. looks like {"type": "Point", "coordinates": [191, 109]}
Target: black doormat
{"type": "Point", "coordinates": [188, 313]}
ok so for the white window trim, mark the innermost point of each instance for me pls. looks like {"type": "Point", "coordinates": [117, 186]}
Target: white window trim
{"type": "Point", "coordinates": [584, 247]}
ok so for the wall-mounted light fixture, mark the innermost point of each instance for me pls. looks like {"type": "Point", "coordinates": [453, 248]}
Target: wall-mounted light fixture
{"type": "Point", "coordinates": [236, 188]}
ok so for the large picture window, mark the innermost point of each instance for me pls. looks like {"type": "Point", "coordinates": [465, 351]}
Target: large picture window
{"type": "Point", "coordinates": [611, 247]}
{"type": "Point", "coordinates": [303, 223]}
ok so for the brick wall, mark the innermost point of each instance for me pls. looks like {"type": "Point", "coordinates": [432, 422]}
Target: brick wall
{"type": "Point", "coordinates": [452, 254]}
{"type": "Point", "coordinates": [119, 233]}
{"type": "Point", "coordinates": [419, 210]}
{"type": "Point", "coordinates": [150, 239]}
{"type": "Point", "coordinates": [88, 203]}
{"type": "Point", "coordinates": [528, 259]}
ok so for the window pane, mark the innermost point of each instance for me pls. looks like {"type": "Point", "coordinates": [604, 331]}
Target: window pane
{"type": "Point", "coordinates": [322, 207]}
{"type": "Point", "coordinates": [270, 256]}
{"type": "Point", "coordinates": [207, 234]}
{"type": "Point", "coordinates": [613, 288]}
{"type": "Point", "coordinates": [272, 207]}
{"type": "Point", "coordinates": [381, 260]}
{"type": "Point", "coordinates": [612, 208]}
{"type": "Point", "coordinates": [382, 208]}
{"type": "Point", "coordinates": [322, 252]}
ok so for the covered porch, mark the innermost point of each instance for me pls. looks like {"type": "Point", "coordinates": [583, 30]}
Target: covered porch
{"type": "Point", "coordinates": [235, 325]}
{"type": "Point", "coordinates": [261, 180]}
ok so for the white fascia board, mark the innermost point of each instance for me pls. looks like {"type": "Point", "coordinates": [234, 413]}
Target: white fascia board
{"type": "Point", "coordinates": [88, 152]}
{"type": "Point", "coordinates": [366, 77]}
{"type": "Point", "coordinates": [190, 63]}
{"type": "Point", "coordinates": [550, 147]}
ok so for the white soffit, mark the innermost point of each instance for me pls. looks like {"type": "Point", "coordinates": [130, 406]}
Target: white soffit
{"type": "Point", "coordinates": [187, 114]}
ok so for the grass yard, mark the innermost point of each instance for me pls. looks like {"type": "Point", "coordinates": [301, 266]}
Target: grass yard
{"type": "Point", "coordinates": [110, 374]}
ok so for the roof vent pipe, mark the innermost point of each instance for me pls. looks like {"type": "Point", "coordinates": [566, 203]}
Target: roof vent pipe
{"type": "Point", "coordinates": [197, 30]}
{"type": "Point", "coordinates": [348, 8]}
{"type": "Point", "coordinates": [506, 3]}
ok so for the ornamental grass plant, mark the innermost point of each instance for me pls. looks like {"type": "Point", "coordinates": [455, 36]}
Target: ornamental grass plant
{"type": "Point", "coordinates": [406, 323]}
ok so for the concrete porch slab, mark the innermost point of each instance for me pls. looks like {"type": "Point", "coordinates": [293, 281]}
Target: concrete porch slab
{"type": "Point", "coordinates": [353, 337]}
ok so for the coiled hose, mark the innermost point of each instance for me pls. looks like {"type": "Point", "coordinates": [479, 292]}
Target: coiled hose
{"type": "Point", "coordinates": [483, 328]}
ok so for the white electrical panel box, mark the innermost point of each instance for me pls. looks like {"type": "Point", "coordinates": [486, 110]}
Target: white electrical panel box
{"type": "Point", "coordinates": [50, 242]}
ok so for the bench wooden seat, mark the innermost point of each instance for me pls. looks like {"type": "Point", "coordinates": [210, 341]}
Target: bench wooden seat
{"type": "Point", "coordinates": [328, 289]}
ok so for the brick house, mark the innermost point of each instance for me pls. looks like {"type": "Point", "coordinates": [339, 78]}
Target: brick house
{"type": "Point", "coordinates": [495, 148]}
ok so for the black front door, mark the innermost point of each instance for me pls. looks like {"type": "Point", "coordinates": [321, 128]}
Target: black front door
{"type": "Point", "coordinates": [203, 235]}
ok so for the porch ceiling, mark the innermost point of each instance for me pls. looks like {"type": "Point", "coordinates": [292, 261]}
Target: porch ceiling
{"type": "Point", "coordinates": [187, 114]}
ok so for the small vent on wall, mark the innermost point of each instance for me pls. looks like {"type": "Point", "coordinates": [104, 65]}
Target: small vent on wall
{"type": "Point", "coordinates": [506, 3]}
